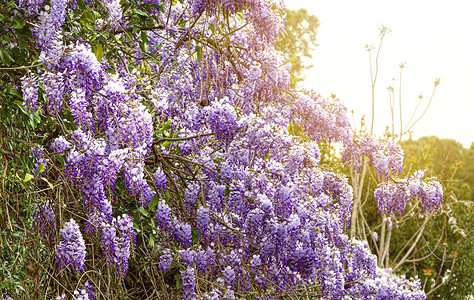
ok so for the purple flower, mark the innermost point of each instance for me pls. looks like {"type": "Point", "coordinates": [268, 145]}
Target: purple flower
{"type": "Point", "coordinates": [190, 195]}
{"type": "Point", "coordinates": [123, 243]}
{"type": "Point", "coordinates": [58, 11]}
{"type": "Point", "coordinates": [71, 249]}
{"type": "Point", "coordinates": [229, 276]}
{"type": "Point", "coordinates": [384, 155]}
{"type": "Point", "coordinates": [187, 256]}
{"type": "Point", "coordinates": [160, 179]}
{"type": "Point", "coordinates": [163, 215]}
{"type": "Point", "coordinates": [45, 221]}
{"type": "Point", "coordinates": [115, 13]}
{"type": "Point", "coordinates": [38, 154]}
{"type": "Point", "coordinates": [29, 86]}
{"type": "Point", "coordinates": [188, 278]}
{"type": "Point", "coordinates": [183, 231]}
{"type": "Point", "coordinates": [202, 220]}
{"type": "Point", "coordinates": [80, 294]}
{"type": "Point", "coordinates": [90, 290]}
{"type": "Point", "coordinates": [391, 198]}
{"type": "Point", "coordinates": [60, 144]}
{"type": "Point", "coordinates": [79, 108]}
{"type": "Point", "coordinates": [108, 241]}
{"type": "Point", "coordinates": [222, 120]}
{"type": "Point", "coordinates": [165, 260]}
{"type": "Point", "coordinates": [31, 7]}
{"type": "Point", "coordinates": [54, 87]}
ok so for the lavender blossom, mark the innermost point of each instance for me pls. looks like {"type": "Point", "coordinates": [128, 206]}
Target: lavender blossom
{"type": "Point", "coordinates": [60, 144]}
{"type": "Point", "coordinates": [38, 154]}
{"type": "Point", "coordinates": [188, 279]}
{"type": "Point", "coordinates": [391, 198]}
{"type": "Point", "coordinates": [160, 179]}
{"type": "Point", "coordinates": [54, 87]}
{"type": "Point", "coordinates": [229, 276]}
{"type": "Point", "coordinates": [123, 243]}
{"type": "Point", "coordinates": [80, 294]}
{"type": "Point", "coordinates": [29, 86]}
{"type": "Point", "coordinates": [90, 290]}
{"type": "Point", "coordinates": [165, 260]}
{"type": "Point", "coordinates": [115, 13]}
{"type": "Point", "coordinates": [183, 231]}
{"type": "Point", "coordinates": [45, 221]}
{"type": "Point", "coordinates": [71, 249]}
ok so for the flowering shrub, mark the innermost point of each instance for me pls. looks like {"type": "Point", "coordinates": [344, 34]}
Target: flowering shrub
{"type": "Point", "coordinates": [183, 109]}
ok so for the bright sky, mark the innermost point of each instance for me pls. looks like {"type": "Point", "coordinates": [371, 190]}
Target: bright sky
{"type": "Point", "coordinates": [434, 37]}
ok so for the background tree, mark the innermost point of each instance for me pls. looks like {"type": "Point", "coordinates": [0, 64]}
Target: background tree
{"type": "Point", "coordinates": [298, 41]}
{"type": "Point", "coordinates": [447, 160]}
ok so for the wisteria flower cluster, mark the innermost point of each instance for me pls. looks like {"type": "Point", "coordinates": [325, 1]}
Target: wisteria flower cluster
{"type": "Point", "coordinates": [392, 197]}
{"type": "Point", "coordinates": [71, 249]}
{"type": "Point", "coordinates": [45, 220]}
{"type": "Point", "coordinates": [386, 156]}
{"type": "Point", "coordinates": [430, 193]}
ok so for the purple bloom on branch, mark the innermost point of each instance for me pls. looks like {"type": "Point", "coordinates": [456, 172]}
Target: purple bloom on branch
{"type": "Point", "coordinates": [45, 221]}
{"type": "Point", "coordinates": [71, 249]}
{"type": "Point", "coordinates": [29, 86]}
{"type": "Point", "coordinates": [165, 260]}
{"type": "Point", "coordinates": [160, 179]}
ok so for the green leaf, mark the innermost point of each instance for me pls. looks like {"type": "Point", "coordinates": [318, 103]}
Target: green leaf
{"type": "Point", "coordinates": [49, 183]}
{"type": "Point", "coordinates": [140, 13]}
{"type": "Point", "coordinates": [143, 211]}
{"type": "Point", "coordinates": [13, 92]}
{"type": "Point", "coordinates": [18, 24]}
{"type": "Point", "coordinates": [22, 42]}
{"type": "Point", "coordinates": [195, 236]}
{"type": "Point", "coordinates": [213, 29]}
{"type": "Point", "coordinates": [28, 177]}
{"type": "Point", "coordinates": [199, 52]}
{"type": "Point", "coordinates": [61, 160]}
{"type": "Point", "coordinates": [5, 57]}
{"type": "Point", "coordinates": [40, 169]}
{"type": "Point", "coordinates": [166, 126]}
{"type": "Point", "coordinates": [227, 191]}
{"type": "Point", "coordinates": [144, 38]}
{"type": "Point", "coordinates": [20, 105]}
{"type": "Point", "coordinates": [153, 202]}
{"type": "Point", "coordinates": [160, 7]}
{"type": "Point", "coordinates": [152, 241]}
{"type": "Point", "coordinates": [35, 120]}
{"type": "Point", "coordinates": [98, 51]}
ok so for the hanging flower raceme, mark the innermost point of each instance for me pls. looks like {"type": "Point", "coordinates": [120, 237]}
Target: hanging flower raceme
{"type": "Point", "coordinates": [71, 251]}
{"type": "Point", "coordinates": [160, 179]}
{"type": "Point", "coordinates": [386, 156]}
{"type": "Point", "coordinates": [45, 221]}
{"type": "Point", "coordinates": [115, 13]}
{"type": "Point", "coordinates": [392, 198]}
{"type": "Point", "coordinates": [29, 86]}
{"type": "Point", "coordinates": [430, 193]}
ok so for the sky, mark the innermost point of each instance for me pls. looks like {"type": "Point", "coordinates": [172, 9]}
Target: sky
{"type": "Point", "coordinates": [434, 38]}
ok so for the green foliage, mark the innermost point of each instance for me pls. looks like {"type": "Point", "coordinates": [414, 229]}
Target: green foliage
{"type": "Point", "coordinates": [298, 41]}
{"type": "Point", "coordinates": [449, 253]}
